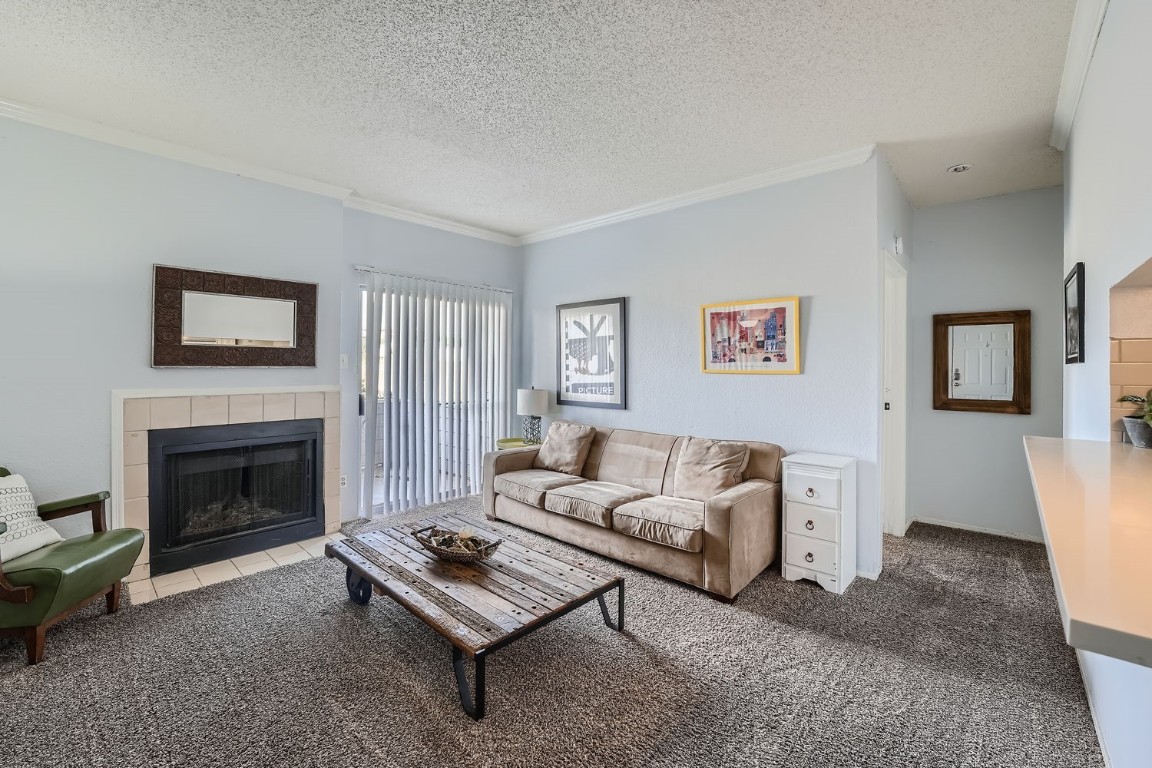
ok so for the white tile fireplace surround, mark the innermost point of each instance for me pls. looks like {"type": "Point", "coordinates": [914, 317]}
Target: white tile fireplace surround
{"type": "Point", "coordinates": [136, 412]}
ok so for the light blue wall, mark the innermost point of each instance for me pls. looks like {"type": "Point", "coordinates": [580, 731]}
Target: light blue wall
{"type": "Point", "coordinates": [998, 253]}
{"type": "Point", "coordinates": [1108, 223]}
{"type": "Point", "coordinates": [81, 224]}
{"type": "Point", "coordinates": [894, 216]}
{"type": "Point", "coordinates": [815, 238]}
{"type": "Point", "coordinates": [1108, 226]}
{"type": "Point", "coordinates": [412, 249]}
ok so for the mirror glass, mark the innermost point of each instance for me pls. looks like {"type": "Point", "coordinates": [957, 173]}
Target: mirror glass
{"type": "Point", "coordinates": [221, 320]}
{"type": "Point", "coordinates": [981, 362]}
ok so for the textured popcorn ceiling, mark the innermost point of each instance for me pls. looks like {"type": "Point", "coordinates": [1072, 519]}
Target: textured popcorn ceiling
{"type": "Point", "coordinates": [523, 116]}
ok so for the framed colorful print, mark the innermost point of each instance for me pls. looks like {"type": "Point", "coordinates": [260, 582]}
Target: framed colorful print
{"type": "Point", "coordinates": [761, 336]}
{"type": "Point", "coordinates": [1074, 315]}
{"type": "Point", "coordinates": [592, 354]}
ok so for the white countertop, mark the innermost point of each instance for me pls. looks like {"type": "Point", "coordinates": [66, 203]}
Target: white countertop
{"type": "Point", "coordinates": [1095, 502]}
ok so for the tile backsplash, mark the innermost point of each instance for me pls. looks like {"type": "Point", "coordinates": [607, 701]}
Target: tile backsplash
{"type": "Point", "coordinates": [1131, 374]}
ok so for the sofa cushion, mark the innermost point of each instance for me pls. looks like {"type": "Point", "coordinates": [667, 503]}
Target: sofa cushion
{"type": "Point", "coordinates": [530, 485]}
{"type": "Point", "coordinates": [26, 532]}
{"type": "Point", "coordinates": [592, 502]}
{"type": "Point", "coordinates": [667, 520]}
{"type": "Point", "coordinates": [706, 468]}
{"type": "Point", "coordinates": [636, 459]}
{"type": "Point", "coordinates": [566, 447]}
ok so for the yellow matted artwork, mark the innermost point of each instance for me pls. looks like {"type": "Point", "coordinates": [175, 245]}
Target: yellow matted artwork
{"type": "Point", "coordinates": [758, 336]}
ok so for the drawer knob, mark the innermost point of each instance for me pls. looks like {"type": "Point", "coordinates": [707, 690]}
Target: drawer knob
{"type": "Point", "coordinates": [808, 557]}
{"type": "Point", "coordinates": [810, 492]}
{"type": "Point", "coordinates": [809, 525]}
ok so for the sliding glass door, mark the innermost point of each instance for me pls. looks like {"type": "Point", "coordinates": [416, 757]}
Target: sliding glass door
{"type": "Point", "coordinates": [436, 376]}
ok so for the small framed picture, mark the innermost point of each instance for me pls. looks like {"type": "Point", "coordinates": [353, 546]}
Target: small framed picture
{"type": "Point", "coordinates": [592, 353]}
{"type": "Point", "coordinates": [761, 336]}
{"type": "Point", "coordinates": [1074, 315]}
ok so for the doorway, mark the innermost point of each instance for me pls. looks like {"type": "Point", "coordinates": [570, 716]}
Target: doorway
{"type": "Point", "coordinates": [894, 407]}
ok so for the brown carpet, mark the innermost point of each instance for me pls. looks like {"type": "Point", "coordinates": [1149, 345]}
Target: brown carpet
{"type": "Point", "coordinates": [953, 658]}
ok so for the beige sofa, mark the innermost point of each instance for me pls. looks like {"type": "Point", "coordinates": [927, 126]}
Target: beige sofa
{"type": "Point", "coordinates": [623, 504]}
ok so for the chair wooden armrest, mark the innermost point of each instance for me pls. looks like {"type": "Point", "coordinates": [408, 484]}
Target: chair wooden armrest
{"type": "Point", "coordinates": [13, 594]}
{"type": "Point", "coordinates": [9, 593]}
{"type": "Point", "coordinates": [93, 502]}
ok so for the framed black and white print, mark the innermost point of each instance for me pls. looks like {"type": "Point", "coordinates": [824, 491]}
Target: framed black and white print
{"type": "Point", "coordinates": [591, 354]}
{"type": "Point", "coordinates": [1074, 315]}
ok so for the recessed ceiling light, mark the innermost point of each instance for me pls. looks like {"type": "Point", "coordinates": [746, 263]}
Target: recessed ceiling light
{"type": "Point", "coordinates": [960, 168]}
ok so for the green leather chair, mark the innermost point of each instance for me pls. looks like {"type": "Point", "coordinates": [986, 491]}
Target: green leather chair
{"type": "Point", "coordinates": [46, 585]}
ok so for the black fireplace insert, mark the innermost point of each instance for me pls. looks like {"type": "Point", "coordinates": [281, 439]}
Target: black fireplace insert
{"type": "Point", "coordinates": [224, 491]}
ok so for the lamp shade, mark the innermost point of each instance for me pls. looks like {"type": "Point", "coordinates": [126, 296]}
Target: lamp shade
{"type": "Point", "coordinates": [531, 402]}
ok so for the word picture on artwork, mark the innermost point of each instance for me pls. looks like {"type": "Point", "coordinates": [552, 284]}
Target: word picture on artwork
{"type": "Point", "coordinates": [591, 353]}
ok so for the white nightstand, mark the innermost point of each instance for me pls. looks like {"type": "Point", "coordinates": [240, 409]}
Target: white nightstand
{"type": "Point", "coordinates": [820, 519]}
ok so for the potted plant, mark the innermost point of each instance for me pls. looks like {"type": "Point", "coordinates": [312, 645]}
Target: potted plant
{"type": "Point", "coordinates": [1139, 428]}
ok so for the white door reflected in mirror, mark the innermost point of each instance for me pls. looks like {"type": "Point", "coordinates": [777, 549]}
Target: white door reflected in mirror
{"type": "Point", "coordinates": [980, 359]}
{"type": "Point", "coordinates": [216, 319]}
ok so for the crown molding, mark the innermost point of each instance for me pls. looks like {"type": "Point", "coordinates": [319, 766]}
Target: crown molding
{"type": "Point", "coordinates": [135, 141]}
{"type": "Point", "coordinates": [107, 134]}
{"type": "Point", "coordinates": [120, 137]}
{"type": "Point", "coordinates": [404, 214]}
{"type": "Point", "coordinates": [748, 183]}
{"type": "Point", "coordinates": [1086, 24]}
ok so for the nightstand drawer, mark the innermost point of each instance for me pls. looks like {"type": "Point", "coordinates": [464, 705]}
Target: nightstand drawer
{"type": "Point", "coordinates": [814, 486]}
{"type": "Point", "coordinates": [812, 554]}
{"type": "Point", "coordinates": [812, 521]}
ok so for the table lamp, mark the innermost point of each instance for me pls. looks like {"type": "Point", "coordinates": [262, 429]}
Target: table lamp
{"type": "Point", "coordinates": [531, 404]}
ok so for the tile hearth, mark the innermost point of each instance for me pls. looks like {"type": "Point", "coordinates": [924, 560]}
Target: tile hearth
{"type": "Point", "coordinates": [142, 589]}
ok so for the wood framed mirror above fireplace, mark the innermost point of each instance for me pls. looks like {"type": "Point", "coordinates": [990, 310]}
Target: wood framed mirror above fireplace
{"type": "Point", "coordinates": [222, 320]}
{"type": "Point", "coordinates": [224, 491]}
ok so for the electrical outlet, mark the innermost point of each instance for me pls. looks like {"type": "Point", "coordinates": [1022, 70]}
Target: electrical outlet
{"type": "Point", "coordinates": [343, 481]}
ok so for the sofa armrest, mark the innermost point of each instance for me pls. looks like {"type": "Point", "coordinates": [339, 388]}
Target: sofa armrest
{"type": "Point", "coordinates": [499, 462]}
{"type": "Point", "coordinates": [741, 535]}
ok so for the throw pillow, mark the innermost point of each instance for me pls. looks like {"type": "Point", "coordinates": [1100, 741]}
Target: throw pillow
{"type": "Point", "coordinates": [566, 447]}
{"type": "Point", "coordinates": [706, 468]}
{"type": "Point", "coordinates": [26, 531]}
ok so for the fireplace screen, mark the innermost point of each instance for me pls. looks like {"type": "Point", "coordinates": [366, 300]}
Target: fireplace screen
{"type": "Point", "coordinates": [223, 491]}
{"type": "Point", "coordinates": [234, 490]}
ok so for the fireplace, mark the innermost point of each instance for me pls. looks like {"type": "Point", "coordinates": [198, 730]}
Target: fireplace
{"type": "Point", "coordinates": [224, 491]}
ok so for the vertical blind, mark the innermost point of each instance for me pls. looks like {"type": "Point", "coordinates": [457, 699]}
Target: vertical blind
{"type": "Point", "coordinates": [436, 359]}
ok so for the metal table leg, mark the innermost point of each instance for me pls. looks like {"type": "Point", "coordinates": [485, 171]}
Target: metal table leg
{"type": "Point", "coordinates": [619, 625]}
{"type": "Point", "coordinates": [474, 707]}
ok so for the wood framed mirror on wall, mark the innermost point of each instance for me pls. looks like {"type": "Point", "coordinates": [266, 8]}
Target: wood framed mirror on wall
{"type": "Point", "coordinates": [982, 362]}
{"type": "Point", "coordinates": [216, 319]}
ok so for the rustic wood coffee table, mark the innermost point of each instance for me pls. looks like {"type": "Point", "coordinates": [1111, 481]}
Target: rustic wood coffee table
{"type": "Point", "coordinates": [477, 607]}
